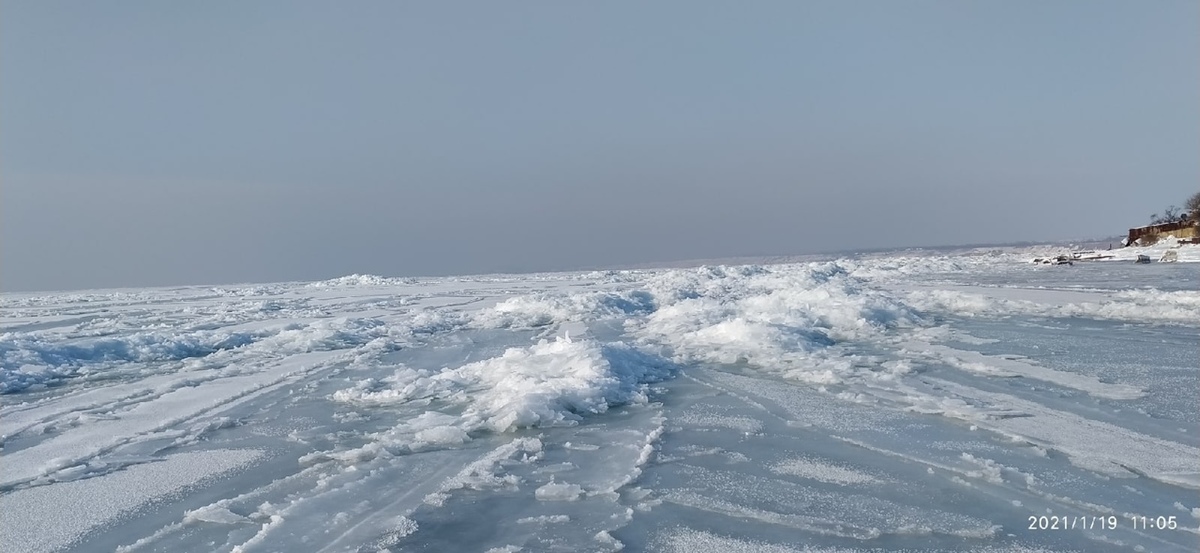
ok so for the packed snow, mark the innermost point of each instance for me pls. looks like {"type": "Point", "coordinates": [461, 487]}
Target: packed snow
{"type": "Point", "coordinates": [907, 401]}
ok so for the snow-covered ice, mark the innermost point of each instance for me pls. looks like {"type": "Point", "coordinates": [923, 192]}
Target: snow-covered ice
{"type": "Point", "coordinates": [913, 401]}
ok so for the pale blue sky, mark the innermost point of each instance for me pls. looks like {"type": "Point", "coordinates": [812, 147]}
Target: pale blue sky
{"type": "Point", "coordinates": [146, 143]}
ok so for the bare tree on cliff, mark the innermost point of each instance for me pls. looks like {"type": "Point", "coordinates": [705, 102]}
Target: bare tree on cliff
{"type": "Point", "coordinates": [1192, 206]}
{"type": "Point", "coordinates": [1173, 214]}
{"type": "Point", "coordinates": [1170, 215]}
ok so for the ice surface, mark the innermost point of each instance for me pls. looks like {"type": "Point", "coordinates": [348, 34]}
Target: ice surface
{"type": "Point", "coordinates": [893, 402]}
{"type": "Point", "coordinates": [697, 541]}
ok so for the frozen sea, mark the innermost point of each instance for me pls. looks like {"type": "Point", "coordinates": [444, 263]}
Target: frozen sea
{"type": "Point", "coordinates": [914, 401]}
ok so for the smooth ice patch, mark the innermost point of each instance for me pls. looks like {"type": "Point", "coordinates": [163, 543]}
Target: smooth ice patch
{"type": "Point", "coordinates": [35, 521]}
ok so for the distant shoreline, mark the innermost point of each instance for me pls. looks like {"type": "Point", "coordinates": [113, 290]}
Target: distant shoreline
{"type": "Point", "coordinates": [1090, 243]}
{"type": "Point", "coordinates": [1094, 243]}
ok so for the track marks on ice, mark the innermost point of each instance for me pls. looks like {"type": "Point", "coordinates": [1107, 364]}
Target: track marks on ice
{"type": "Point", "coordinates": [906, 460]}
{"type": "Point", "coordinates": [1095, 445]}
{"type": "Point", "coordinates": [778, 476]}
{"type": "Point", "coordinates": [153, 419]}
{"type": "Point", "coordinates": [1002, 367]}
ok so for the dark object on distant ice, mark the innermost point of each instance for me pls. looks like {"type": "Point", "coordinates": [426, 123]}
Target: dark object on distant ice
{"type": "Point", "coordinates": [1060, 260]}
{"type": "Point", "coordinates": [1143, 259]}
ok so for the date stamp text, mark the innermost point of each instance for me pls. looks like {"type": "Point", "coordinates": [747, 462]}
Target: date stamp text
{"type": "Point", "coordinates": [1108, 522]}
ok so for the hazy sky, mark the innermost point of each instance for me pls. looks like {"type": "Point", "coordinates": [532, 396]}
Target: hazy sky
{"type": "Point", "coordinates": [146, 143]}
